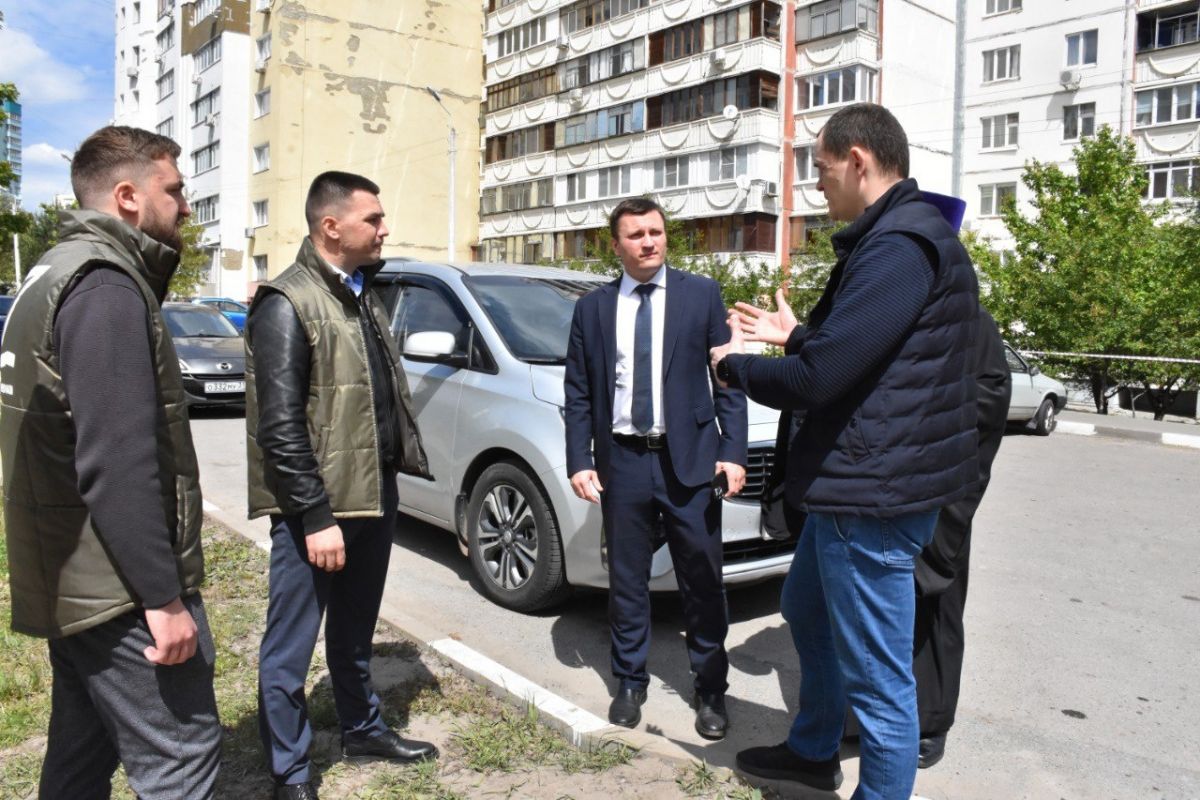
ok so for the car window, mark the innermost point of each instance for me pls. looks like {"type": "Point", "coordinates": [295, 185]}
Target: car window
{"type": "Point", "coordinates": [532, 315]}
{"type": "Point", "coordinates": [198, 321]}
{"type": "Point", "coordinates": [6, 302]}
{"type": "Point", "coordinates": [1015, 364]}
{"type": "Point", "coordinates": [420, 308]}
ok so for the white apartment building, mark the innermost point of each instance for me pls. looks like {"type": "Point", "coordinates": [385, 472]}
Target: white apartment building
{"type": "Point", "coordinates": [592, 101]}
{"type": "Point", "coordinates": [183, 66]}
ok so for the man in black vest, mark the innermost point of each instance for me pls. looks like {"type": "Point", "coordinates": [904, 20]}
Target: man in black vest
{"type": "Point", "coordinates": [884, 371]}
{"type": "Point", "coordinates": [102, 490]}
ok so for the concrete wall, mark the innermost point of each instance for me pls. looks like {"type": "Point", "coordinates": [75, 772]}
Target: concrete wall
{"type": "Point", "coordinates": [347, 83]}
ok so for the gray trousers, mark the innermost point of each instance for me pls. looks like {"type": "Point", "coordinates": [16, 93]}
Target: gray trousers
{"type": "Point", "coordinates": [110, 704]}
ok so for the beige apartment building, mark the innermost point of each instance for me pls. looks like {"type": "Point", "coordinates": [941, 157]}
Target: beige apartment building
{"type": "Point", "coordinates": [346, 85]}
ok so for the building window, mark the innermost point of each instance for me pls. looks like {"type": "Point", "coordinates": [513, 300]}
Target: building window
{"type": "Point", "coordinates": [847, 85]}
{"type": "Point", "coordinates": [166, 84]}
{"type": "Point", "coordinates": [727, 163]}
{"type": "Point", "coordinates": [1000, 131]}
{"type": "Point", "coordinates": [611, 62]}
{"type": "Point", "coordinates": [261, 212]}
{"type": "Point", "coordinates": [206, 158]}
{"type": "Point", "coordinates": [602, 124]}
{"type": "Point", "coordinates": [588, 13]}
{"type": "Point", "coordinates": [166, 128]}
{"type": "Point", "coordinates": [576, 187]}
{"type": "Point", "coordinates": [262, 157]}
{"type": "Point", "coordinates": [1163, 29]}
{"type": "Point", "coordinates": [521, 37]}
{"type": "Point", "coordinates": [836, 16]}
{"type": "Point", "coordinates": [205, 209]}
{"type": "Point", "coordinates": [526, 141]}
{"type": "Point", "coordinates": [992, 197]}
{"type": "Point", "coordinates": [803, 156]}
{"type": "Point", "coordinates": [671, 172]}
{"type": "Point", "coordinates": [1001, 6]}
{"type": "Point", "coordinates": [1079, 121]}
{"type": "Point", "coordinates": [531, 86]}
{"type": "Point", "coordinates": [208, 55]}
{"type": "Point", "coordinates": [1172, 180]}
{"type": "Point", "coordinates": [165, 39]}
{"type": "Point", "coordinates": [518, 196]}
{"type": "Point", "coordinates": [1002, 64]}
{"type": "Point", "coordinates": [264, 47]}
{"type": "Point", "coordinates": [204, 8]}
{"type": "Point", "coordinates": [260, 268]}
{"type": "Point", "coordinates": [205, 106]}
{"type": "Point", "coordinates": [1081, 49]}
{"type": "Point", "coordinates": [725, 28]}
{"type": "Point", "coordinates": [262, 103]}
{"type": "Point", "coordinates": [752, 90]}
{"type": "Point", "coordinates": [613, 181]}
{"type": "Point", "coordinates": [1167, 104]}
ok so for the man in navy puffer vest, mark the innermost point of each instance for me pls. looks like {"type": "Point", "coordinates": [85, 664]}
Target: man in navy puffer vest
{"type": "Point", "coordinates": [883, 369]}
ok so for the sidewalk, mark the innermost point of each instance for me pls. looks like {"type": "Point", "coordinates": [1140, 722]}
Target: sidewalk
{"type": "Point", "coordinates": [1175, 432]}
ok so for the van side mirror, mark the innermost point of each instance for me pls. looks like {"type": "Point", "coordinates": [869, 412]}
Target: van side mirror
{"type": "Point", "coordinates": [433, 346]}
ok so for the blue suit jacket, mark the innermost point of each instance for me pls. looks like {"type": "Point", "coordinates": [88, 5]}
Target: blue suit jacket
{"type": "Point", "coordinates": [692, 408]}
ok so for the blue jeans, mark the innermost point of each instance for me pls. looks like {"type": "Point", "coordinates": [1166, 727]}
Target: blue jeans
{"type": "Point", "coordinates": [849, 600]}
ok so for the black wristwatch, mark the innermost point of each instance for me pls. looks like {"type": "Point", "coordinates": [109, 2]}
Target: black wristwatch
{"type": "Point", "coordinates": [723, 370]}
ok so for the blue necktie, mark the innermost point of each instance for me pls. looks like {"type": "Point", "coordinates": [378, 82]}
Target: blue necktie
{"type": "Point", "coordinates": [643, 363]}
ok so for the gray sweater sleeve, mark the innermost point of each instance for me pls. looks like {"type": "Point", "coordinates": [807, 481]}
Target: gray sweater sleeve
{"type": "Point", "coordinates": [102, 337]}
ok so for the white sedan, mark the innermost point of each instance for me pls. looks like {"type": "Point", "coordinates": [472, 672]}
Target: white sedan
{"type": "Point", "coordinates": [1036, 398]}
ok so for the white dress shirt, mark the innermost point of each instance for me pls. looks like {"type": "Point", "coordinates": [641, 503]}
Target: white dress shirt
{"type": "Point", "coordinates": [628, 302]}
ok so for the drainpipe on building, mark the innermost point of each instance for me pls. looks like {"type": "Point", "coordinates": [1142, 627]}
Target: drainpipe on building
{"type": "Point", "coordinates": [960, 66]}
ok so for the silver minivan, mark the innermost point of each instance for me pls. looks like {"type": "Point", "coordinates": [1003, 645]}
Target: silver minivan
{"type": "Point", "coordinates": [484, 348]}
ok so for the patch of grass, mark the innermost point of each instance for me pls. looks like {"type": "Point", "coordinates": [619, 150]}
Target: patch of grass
{"type": "Point", "coordinates": [700, 780]}
{"type": "Point", "coordinates": [417, 782]}
{"type": "Point", "coordinates": [19, 773]}
{"type": "Point", "coordinates": [24, 670]}
{"type": "Point", "coordinates": [510, 739]}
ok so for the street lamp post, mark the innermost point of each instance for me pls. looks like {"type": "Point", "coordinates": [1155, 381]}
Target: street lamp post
{"type": "Point", "coordinates": [453, 149]}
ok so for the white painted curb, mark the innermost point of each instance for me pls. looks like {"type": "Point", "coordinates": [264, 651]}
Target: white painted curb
{"type": "Point", "coordinates": [1077, 428]}
{"type": "Point", "coordinates": [576, 722]}
{"type": "Point", "coordinates": [1181, 440]}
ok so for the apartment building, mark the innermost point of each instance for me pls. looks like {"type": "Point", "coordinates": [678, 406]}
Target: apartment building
{"type": "Point", "coordinates": [10, 146]}
{"type": "Point", "coordinates": [183, 71]}
{"type": "Point", "coordinates": [712, 106]}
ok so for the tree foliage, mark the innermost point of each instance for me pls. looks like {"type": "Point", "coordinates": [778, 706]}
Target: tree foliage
{"type": "Point", "coordinates": [12, 219]}
{"type": "Point", "coordinates": [194, 260]}
{"type": "Point", "coordinates": [1096, 271]}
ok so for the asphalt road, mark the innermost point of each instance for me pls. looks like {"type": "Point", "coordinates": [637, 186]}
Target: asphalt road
{"type": "Point", "coordinates": [1082, 675]}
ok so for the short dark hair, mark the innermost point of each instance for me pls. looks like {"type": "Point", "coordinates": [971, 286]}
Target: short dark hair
{"type": "Point", "coordinates": [113, 154]}
{"type": "Point", "coordinates": [634, 206]}
{"type": "Point", "coordinates": [871, 127]}
{"type": "Point", "coordinates": [333, 188]}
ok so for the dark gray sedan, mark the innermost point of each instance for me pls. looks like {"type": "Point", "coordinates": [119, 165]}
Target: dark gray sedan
{"type": "Point", "coordinates": [211, 354]}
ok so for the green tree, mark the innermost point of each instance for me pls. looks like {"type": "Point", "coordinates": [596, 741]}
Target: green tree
{"type": "Point", "coordinates": [194, 261]}
{"type": "Point", "coordinates": [1092, 269]}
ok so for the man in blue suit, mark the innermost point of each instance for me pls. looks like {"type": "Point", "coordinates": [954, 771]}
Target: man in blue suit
{"type": "Point", "coordinates": [648, 434]}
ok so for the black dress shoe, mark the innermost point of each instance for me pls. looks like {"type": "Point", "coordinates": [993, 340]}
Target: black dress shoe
{"type": "Point", "coordinates": [779, 764]}
{"type": "Point", "coordinates": [296, 791]}
{"type": "Point", "coordinates": [626, 708]}
{"type": "Point", "coordinates": [712, 720]}
{"type": "Point", "coordinates": [932, 748]}
{"type": "Point", "coordinates": [357, 748]}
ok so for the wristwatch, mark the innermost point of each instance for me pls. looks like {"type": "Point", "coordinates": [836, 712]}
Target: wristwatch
{"type": "Point", "coordinates": [723, 374]}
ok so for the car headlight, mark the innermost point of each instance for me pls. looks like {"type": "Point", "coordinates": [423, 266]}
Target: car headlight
{"type": "Point", "coordinates": [183, 367]}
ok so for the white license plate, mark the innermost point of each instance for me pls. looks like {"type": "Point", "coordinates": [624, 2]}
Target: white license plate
{"type": "Point", "coordinates": [224, 387]}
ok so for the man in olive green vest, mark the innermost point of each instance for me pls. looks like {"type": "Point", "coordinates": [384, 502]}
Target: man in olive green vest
{"type": "Point", "coordinates": [101, 489]}
{"type": "Point", "coordinates": [329, 421]}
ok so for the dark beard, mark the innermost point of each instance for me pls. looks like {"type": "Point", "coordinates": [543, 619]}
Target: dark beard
{"type": "Point", "coordinates": [164, 233]}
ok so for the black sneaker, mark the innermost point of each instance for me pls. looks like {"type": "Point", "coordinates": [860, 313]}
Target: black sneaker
{"type": "Point", "coordinates": [779, 763]}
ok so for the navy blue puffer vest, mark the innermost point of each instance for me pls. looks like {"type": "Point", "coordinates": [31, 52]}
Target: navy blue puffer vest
{"type": "Point", "coordinates": [903, 440]}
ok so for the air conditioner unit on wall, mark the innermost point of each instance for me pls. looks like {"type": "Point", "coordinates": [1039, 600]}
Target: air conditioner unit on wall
{"type": "Point", "coordinates": [132, 72]}
{"type": "Point", "coordinates": [210, 120]}
{"type": "Point", "coordinates": [1069, 78]}
{"type": "Point", "coordinates": [262, 5]}
{"type": "Point", "coordinates": [564, 41]}
{"type": "Point", "coordinates": [771, 189]}
{"type": "Point", "coordinates": [260, 65]}
{"type": "Point", "coordinates": [249, 233]}
{"type": "Point", "coordinates": [575, 97]}
{"type": "Point", "coordinates": [718, 59]}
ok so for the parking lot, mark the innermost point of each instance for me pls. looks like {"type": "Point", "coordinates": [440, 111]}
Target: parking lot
{"type": "Point", "coordinates": [1083, 626]}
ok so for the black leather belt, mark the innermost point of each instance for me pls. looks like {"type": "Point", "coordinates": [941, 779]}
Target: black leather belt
{"type": "Point", "coordinates": [655, 441]}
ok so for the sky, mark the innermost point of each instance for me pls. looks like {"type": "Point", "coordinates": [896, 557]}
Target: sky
{"type": "Point", "coordinates": [60, 55]}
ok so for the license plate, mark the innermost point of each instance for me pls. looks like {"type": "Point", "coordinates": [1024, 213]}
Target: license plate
{"type": "Point", "coordinates": [224, 387]}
